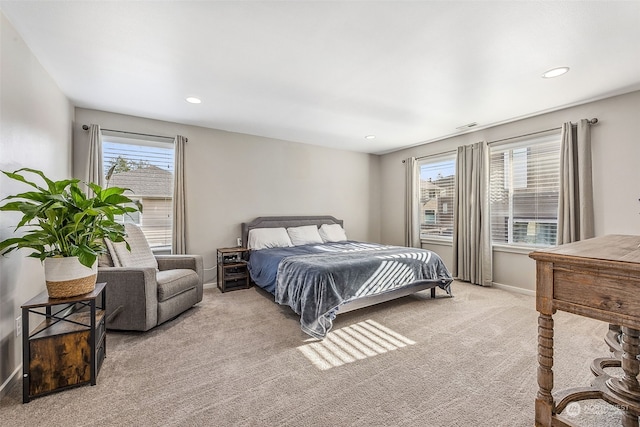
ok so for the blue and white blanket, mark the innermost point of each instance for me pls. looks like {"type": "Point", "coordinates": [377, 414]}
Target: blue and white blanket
{"type": "Point", "coordinates": [314, 280]}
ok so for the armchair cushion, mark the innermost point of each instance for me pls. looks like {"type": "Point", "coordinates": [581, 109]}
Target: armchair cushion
{"type": "Point", "coordinates": [140, 255]}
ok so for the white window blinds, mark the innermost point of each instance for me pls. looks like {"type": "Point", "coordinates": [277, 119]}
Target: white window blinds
{"type": "Point", "coordinates": [437, 186]}
{"type": "Point", "coordinates": [144, 166]}
{"type": "Point", "coordinates": [523, 186]}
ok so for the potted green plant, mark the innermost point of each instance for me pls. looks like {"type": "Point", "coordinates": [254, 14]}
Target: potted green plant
{"type": "Point", "coordinates": [66, 228]}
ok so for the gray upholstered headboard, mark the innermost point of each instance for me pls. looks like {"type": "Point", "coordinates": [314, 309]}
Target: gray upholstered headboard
{"type": "Point", "coordinates": [285, 221]}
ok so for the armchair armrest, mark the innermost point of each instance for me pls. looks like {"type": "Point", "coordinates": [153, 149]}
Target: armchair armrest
{"type": "Point", "coordinates": [132, 297]}
{"type": "Point", "coordinates": [171, 262]}
{"type": "Point", "coordinates": [191, 262]}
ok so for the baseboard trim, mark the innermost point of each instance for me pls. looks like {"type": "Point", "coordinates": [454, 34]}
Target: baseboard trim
{"type": "Point", "coordinates": [514, 289]}
{"type": "Point", "coordinates": [209, 285]}
{"type": "Point", "coordinates": [15, 376]}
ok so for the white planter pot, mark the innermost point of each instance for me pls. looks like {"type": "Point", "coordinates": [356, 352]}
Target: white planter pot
{"type": "Point", "coordinates": [66, 277]}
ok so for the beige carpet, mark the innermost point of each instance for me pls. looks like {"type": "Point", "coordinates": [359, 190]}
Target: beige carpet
{"type": "Point", "coordinates": [240, 359]}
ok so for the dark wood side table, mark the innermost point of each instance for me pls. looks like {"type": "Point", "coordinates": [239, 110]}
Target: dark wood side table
{"type": "Point", "coordinates": [597, 278]}
{"type": "Point", "coordinates": [232, 269]}
{"type": "Point", "coordinates": [67, 348]}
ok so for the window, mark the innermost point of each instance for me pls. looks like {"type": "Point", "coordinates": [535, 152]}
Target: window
{"type": "Point", "coordinates": [437, 179]}
{"type": "Point", "coordinates": [523, 187]}
{"type": "Point", "coordinates": [145, 166]}
{"type": "Point", "coordinates": [132, 217]}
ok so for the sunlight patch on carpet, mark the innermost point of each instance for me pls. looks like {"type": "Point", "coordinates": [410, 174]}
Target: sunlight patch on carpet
{"type": "Point", "coordinates": [353, 343]}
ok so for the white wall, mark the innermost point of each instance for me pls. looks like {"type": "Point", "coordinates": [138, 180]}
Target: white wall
{"type": "Point", "coordinates": [35, 132]}
{"type": "Point", "coordinates": [616, 176]}
{"type": "Point", "coordinates": [232, 178]}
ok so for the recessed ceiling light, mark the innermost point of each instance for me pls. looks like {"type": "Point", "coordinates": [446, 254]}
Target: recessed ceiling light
{"type": "Point", "coordinates": [555, 72]}
{"type": "Point", "coordinates": [370, 137]}
{"type": "Point", "coordinates": [193, 100]}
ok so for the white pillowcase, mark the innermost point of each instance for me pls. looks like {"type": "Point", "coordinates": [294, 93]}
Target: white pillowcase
{"type": "Point", "coordinates": [265, 238]}
{"type": "Point", "coordinates": [304, 235]}
{"type": "Point", "coordinates": [332, 233]}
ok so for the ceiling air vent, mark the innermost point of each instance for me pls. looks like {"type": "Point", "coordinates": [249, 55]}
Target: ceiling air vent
{"type": "Point", "coordinates": [467, 126]}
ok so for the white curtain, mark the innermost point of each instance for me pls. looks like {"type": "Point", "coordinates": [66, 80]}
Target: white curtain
{"type": "Point", "coordinates": [95, 173]}
{"type": "Point", "coordinates": [575, 203]}
{"type": "Point", "coordinates": [178, 240]}
{"type": "Point", "coordinates": [412, 194]}
{"type": "Point", "coordinates": [472, 255]}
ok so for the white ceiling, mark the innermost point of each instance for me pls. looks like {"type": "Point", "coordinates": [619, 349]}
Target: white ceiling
{"type": "Point", "coordinates": [331, 72]}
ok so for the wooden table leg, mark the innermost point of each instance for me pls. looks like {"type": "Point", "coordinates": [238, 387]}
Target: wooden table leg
{"type": "Point", "coordinates": [544, 399]}
{"type": "Point", "coordinates": [627, 386]}
{"type": "Point", "coordinates": [613, 339]}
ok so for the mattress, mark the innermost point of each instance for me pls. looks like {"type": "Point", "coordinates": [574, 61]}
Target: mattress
{"type": "Point", "coordinates": [315, 280]}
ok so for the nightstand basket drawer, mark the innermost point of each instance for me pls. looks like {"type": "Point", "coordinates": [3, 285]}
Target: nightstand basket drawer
{"type": "Point", "coordinates": [233, 284]}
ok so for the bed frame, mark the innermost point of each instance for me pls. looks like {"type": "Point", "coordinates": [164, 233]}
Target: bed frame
{"type": "Point", "coordinates": [296, 221]}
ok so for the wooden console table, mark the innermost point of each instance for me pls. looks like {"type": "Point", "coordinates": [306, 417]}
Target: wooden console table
{"type": "Point", "coordinates": [597, 278]}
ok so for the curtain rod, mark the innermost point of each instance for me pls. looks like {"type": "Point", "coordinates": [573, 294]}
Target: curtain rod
{"type": "Point", "coordinates": [85, 127]}
{"type": "Point", "coordinates": [590, 121]}
{"type": "Point", "coordinates": [435, 154]}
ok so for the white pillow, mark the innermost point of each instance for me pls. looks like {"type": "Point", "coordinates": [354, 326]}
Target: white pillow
{"type": "Point", "coordinates": [304, 235]}
{"type": "Point", "coordinates": [332, 233]}
{"type": "Point", "coordinates": [265, 238]}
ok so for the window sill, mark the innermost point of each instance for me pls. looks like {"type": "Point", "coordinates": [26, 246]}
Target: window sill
{"type": "Point", "coordinates": [161, 250]}
{"type": "Point", "coordinates": [438, 242]}
{"type": "Point", "coordinates": [525, 250]}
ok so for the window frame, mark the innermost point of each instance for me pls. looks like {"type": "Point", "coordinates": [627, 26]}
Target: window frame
{"type": "Point", "coordinates": [550, 138]}
{"type": "Point", "coordinates": [111, 139]}
{"type": "Point", "coordinates": [449, 156]}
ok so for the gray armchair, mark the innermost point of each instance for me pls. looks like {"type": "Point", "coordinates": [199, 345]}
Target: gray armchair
{"type": "Point", "coordinates": [144, 290]}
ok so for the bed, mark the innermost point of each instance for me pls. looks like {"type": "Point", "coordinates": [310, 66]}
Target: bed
{"type": "Point", "coordinates": [307, 263]}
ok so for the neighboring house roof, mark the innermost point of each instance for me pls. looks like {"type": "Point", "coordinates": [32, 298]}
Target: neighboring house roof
{"type": "Point", "coordinates": [431, 204]}
{"type": "Point", "coordinates": [149, 181]}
